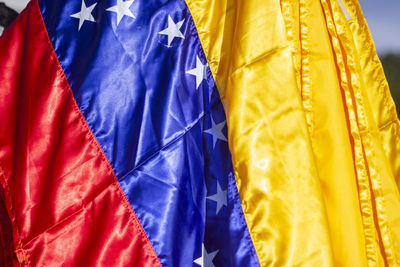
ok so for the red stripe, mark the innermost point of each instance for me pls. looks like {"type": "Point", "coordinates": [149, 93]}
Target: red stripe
{"type": "Point", "coordinates": [63, 198]}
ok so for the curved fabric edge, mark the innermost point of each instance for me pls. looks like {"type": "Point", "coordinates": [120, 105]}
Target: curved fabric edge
{"type": "Point", "coordinates": [379, 96]}
{"type": "Point", "coordinates": [328, 131]}
{"type": "Point", "coordinates": [61, 191]}
{"type": "Point", "coordinates": [380, 200]}
{"type": "Point", "coordinates": [238, 221]}
{"type": "Point", "coordinates": [243, 40]}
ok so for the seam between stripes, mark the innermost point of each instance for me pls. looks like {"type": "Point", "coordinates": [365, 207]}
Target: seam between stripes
{"type": "Point", "coordinates": [211, 63]}
{"type": "Point", "coordinates": [97, 145]}
{"type": "Point", "coordinates": [86, 129]}
{"type": "Point", "coordinates": [213, 70]}
{"type": "Point", "coordinates": [194, 122]}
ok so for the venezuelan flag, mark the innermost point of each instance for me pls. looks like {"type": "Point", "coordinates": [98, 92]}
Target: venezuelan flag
{"type": "Point", "coordinates": [197, 133]}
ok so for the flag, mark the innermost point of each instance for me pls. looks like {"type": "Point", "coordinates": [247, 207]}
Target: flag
{"type": "Point", "coordinates": [114, 140]}
{"type": "Point", "coordinates": [313, 130]}
{"type": "Point", "coordinates": [197, 133]}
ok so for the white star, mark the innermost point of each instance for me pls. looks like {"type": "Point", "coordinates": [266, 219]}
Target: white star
{"type": "Point", "coordinates": [220, 197]}
{"type": "Point", "coordinates": [216, 131]}
{"type": "Point", "coordinates": [122, 9]}
{"type": "Point", "coordinates": [84, 14]}
{"type": "Point", "coordinates": [173, 30]}
{"type": "Point", "coordinates": [206, 259]}
{"type": "Point", "coordinates": [200, 72]}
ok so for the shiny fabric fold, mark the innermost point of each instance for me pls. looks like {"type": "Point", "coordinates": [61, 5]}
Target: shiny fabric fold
{"type": "Point", "coordinates": [251, 59]}
{"type": "Point", "coordinates": [263, 133]}
{"type": "Point", "coordinates": [380, 181]}
{"type": "Point", "coordinates": [309, 85]}
{"type": "Point", "coordinates": [63, 199]}
{"type": "Point", "coordinates": [332, 148]}
{"type": "Point", "coordinates": [147, 134]}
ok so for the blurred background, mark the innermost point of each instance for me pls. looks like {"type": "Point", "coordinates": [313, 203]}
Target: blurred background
{"type": "Point", "coordinates": [383, 17]}
{"type": "Point", "coordinates": [17, 5]}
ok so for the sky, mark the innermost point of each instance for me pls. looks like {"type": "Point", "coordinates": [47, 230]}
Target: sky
{"type": "Point", "coordinates": [383, 18]}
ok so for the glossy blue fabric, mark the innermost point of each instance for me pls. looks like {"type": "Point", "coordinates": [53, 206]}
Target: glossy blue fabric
{"type": "Point", "coordinates": [153, 123]}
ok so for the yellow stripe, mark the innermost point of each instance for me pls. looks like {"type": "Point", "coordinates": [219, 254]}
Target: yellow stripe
{"type": "Point", "coordinates": [329, 134]}
{"type": "Point", "coordinates": [251, 59]}
{"type": "Point", "coordinates": [380, 134]}
{"type": "Point", "coordinates": [314, 136]}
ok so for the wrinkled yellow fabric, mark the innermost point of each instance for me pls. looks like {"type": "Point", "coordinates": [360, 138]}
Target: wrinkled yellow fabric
{"type": "Point", "coordinates": [382, 104]}
{"type": "Point", "coordinates": [312, 128]}
{"type": "Point", "coordinates": [379, 129]}
{"type": "Point", "coordinates": [326, 119]}
{"type": "Point", "coordinates": [249, 54]}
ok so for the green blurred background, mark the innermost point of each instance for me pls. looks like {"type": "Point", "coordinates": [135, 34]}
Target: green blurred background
{"type": "Point", "coordinates": [391, 65]}
{"type": "Point", "coordinates": [384, 22]}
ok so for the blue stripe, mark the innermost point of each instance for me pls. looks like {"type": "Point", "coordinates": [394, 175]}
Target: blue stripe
{"type": "Point", "coordinates": [153, 124]}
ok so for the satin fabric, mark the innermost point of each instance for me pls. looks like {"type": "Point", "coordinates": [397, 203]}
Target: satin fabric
{"type": "Point", "coordinates": [381, 102]}
{"type": "Point", "coordinates": [312, 129]}
{"type": "Point", "coordinates": [378, 122]}
{"type": "Point", "coordinates": [63, 199]}
{"type": "Point", "coordinates": [6, 242]}
{"type": "Point", "coordinates": [246, 46]}
{"type": "Point", "coordinates": [316, 69]}
{"type": "Point", "coordinates": [162, 129]}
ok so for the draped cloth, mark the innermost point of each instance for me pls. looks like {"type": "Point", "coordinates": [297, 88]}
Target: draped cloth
{"type": "Point", "coordinates": [313, 130]}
